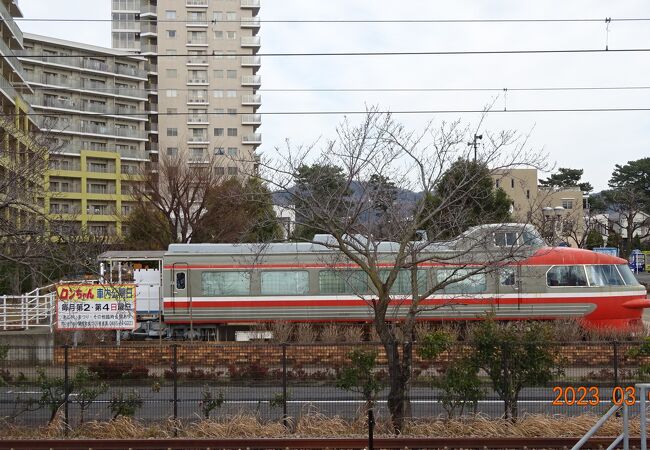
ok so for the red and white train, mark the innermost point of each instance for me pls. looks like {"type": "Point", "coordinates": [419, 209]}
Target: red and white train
{"type": "Point", "coordinates": [215, 289]}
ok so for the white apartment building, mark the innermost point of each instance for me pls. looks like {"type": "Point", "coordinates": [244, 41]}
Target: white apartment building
{"type": "Point", "coordinates": [202, 75]}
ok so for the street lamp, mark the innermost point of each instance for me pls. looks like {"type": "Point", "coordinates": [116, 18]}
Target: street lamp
{"type": "Point", "coordinates": [555, 215]}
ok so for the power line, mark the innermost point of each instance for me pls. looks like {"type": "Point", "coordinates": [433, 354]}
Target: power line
{"type": "Point", "coordinates": [353, 21]}
{"type": "Point", "coordinates": [460, 89]}
{"type": "Point", "coordinates": [354, 112]}
{"type": "Point", "coordinates": [392, 53]}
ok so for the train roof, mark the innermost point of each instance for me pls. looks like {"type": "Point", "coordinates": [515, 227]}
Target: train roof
{"type": "Point", "coordinates": [325, 243]}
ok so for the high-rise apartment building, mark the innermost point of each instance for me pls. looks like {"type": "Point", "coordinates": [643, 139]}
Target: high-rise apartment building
{"type": "Point", "coordinates": [202, 75]}
{"type": "Point", "coordinates": [91, 106]}
{"type": "Point", "coordinates": [21, 163]}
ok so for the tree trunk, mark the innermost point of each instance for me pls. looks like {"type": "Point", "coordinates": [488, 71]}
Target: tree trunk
{"type": "Point", "coordinates": [399, 371]}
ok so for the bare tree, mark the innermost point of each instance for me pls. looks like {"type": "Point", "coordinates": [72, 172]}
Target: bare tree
{"type": "Point", "coordinates": [347, 205]}
{"type": "Point", "coordinates": [177, 189]}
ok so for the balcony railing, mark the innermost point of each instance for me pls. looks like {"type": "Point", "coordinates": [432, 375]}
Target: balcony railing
{"type": "Point", "coordinates": [126, 110]}
{"type": "Point", "coordinates": [203, 80]}
{"type": "Point", "coordinates": [75, 188]}
{"type": "Point", "coordinates": [200, 59]}
{"type": "Point", "coordinates": [130, 71]}
{"type": "Point", "coordinates": [250, 22]}
{"type": "Point", "coordinates": [197, 139]}
{"type": "Point", "coordinates": [108, 168]}
{"type": "Point", "coordinates": [126, 5]}
{"type": "Point", "coordinates": [10, 22]}
{"type": "Point", "coordinates": [197, 118]}
{"type": "Point", "coordinates": [247, 61]}
{"type": "Point", "coordinates": [62, 210]}
{"type": "Point", "coordinates": [148, 27]}
{"type": "Point", "coordinates": [251, 41]}
{"type": "Point", "coordinates": [148, 48]}
{"type": "Point", "coordinates": [148, 9]}
{"type": "Point", "coordinates": [103, 211]}
{"type": "Point", "coordinates": [251, 99]}
{"type": "Point", "coordinates": [152, 68]}
{"type": "Point", "coordinates": [68, 166]}
{"type": "Point", "coordinates": [197, 42]}
{"type": "Point", "coordinates": [152, 146]}
{"type": "Point", "coordinates": [250, 4]}
{"type": "Point", "coordinates": [251, 80]}
{"type": "Point", "coordinates": [200, 3]}
{"type": "Point", "coordinates": [125, 25]}
{"type": "Point", "coordinates": [94, 189]}
{"type": "Point", "coordinates": [255, 138]}
{"type": "Point", "coordinates": [198, 22]}
{"type": "Point", "coordinates": [251, 119]}
{"type": "Point", "coordinates": [15, 63]}
{"type": "Point", "coordinates": [196, 100]}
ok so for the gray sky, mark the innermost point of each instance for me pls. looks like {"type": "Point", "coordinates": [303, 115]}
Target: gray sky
{"type": "Point", "coordinates": [592, 141]}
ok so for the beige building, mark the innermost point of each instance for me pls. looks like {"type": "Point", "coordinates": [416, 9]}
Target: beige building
{"type": "Point", "coordinates": [557, 212]}
{"type": "Point", "coordinates": [202, 75]}
{"type": "Point", "coordinates": [91, 106]}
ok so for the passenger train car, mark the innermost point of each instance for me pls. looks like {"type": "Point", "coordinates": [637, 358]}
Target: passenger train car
{"type": "Point", "coordinates": [212, 289]}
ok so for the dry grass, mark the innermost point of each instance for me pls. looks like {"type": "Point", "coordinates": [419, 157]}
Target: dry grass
{"type": "Point", "coordinates": [306, 333]}
{"type": "Point", "coordinates": [331, 333]}
{"type": "Point", "coordinates": [314, 424]}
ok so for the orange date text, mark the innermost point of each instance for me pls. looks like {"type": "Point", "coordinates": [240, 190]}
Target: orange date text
{"type": "Point", "coordinates": [592, 396]}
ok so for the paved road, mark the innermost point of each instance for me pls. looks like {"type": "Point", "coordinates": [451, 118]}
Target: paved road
{"type": "Point", "coordinates": [259, 401]}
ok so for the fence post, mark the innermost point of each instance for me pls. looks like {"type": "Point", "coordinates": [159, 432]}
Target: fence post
{"type": "Point", "coordinates": [285, 416]}
{"type": "Point", "coordinates": [371, 428]}
{"type": "Point", "coordinates": [175, 374]}
{"type": "Point", "coordinates": [615, 344]}
{"type": "Point", "coordinates": [66, 388]}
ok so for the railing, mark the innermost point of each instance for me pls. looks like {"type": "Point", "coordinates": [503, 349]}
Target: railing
{"type": "Point", "coordinates": [13, 60]}
{"type": "Point", "coordinates": [251, 41]}
{"type": "Point", "coordinates": [200, 59]}
{"type": "Point", "coordinates": [148, 27]}
{"type": "Point", "coordinates": [153, 146]}
{"type": "Point", "coordinates": [148, 9]}
{"type": "Point", "coordinates": [100, 190]}
{"type": "Point", "coordinates": [251, 80]}
{"type": "Point", "coordinates": [101, 168]}
{"type": "Point", "coordinates": [70, 167]}
{"type": "Point", "coordinates": [197, 81]}
{"type": "Point", "coordinates": [250, 22]}
{"type": "Point", "coordinates": [152, 68]}
{"type": "Point", "coordinates": [197, 100]}
{"type": "Point", "coordinates": [200, 118]}
{"type": "Point", "coordinates": [255, 138]}
{"type": "Point", "coordinates": [95, 65]}
{"type": "Point", "coordinates": [8, 20]}
{"type": "Point", "coordinates": [198, 22]}
{"type": "Point", "coordinates": [75, 189]}
{"type": "Point", "coordinates": [251, 61]}
{"type": "Point", "coordinates": [195, 139]}
{"type": "Point", "coordinates": [126, 5]}
{"type": "Point", "coordinates": [197, 42]}
{"type": "Point", "coordinates": [252, 99]}
{"type": "Point", "coordinates": [106, 211]}
{"type": "Point", "coordinates": [125, 110]}
{"type": "Point", "coordinates": [250, 3]}
{"type": "Point", "coordinates": [251, 119]}
{"type": "Point", "coordinates": [196, 3]}
{"type": "Point", "coordinates": [32, 310]}
{"type": "Point", "coordinates": [148, 48]}
{"type": "Point", "coordinates": [123, 69]}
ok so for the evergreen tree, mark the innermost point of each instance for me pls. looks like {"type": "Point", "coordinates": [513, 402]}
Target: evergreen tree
{"type": "Point", "coordinates": [565, 178]}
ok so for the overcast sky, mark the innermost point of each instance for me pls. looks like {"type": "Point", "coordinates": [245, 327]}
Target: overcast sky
{"type": "Point", "coordinates": [594, 141]}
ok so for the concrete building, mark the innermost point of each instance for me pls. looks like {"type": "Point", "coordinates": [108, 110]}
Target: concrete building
{"type": "Point", "coordinates": [560, 210]}
{"type": "Point", "coordinates": [21, 163]}
{"type": "Point", "coordinates": [91, 102]}
{"type": "Point", "coordinates": [202, 75]}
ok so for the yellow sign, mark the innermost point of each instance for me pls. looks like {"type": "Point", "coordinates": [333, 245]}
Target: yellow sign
{"type": "Point", "coordinates": [95, 307]}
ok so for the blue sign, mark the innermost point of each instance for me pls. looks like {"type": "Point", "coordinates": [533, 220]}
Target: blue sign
{"type": "Point", "coordinates": [636, 261]}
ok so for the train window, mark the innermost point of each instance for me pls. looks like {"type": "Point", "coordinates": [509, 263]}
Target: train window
{"type": "Point", "coordinates": [342, 282]}
{"type": "Point", "coordinates": [463, 281]}
{"type": "Point", "coordinates": [277, 282]}
{"type": "Point", "coordinates": [627, 275]}
{"type": "Point", "coordinates": [402, 284]}
{"type": "Point", "coordinates": [180, 280]}
{"type": "Point", "coordinates": [507, 277]}
{"type": "Point", "coordinates": [505, 238]}
{"type": "Point", "coordinates": [226, 283]}
{"type": "Point", "coordinates": [601, 275]}
{"type": "Point", "coordinates": [559, 276]}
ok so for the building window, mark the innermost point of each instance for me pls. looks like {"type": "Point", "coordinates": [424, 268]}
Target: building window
{"type": "Point", "coordinates": [218, 131]}
{"type": "Point", "coordinates": [197, 154]}
{"type": "Point", "coordinates": [172, 92]}
{"type": "Point", "coordinates": [172, 110]}
{"type": "Point", "coordinates": [231, 74]}
{"type": "Point", "coordinates": [172, 131]}
{"type": "Point", "coordinates": [512, 183]}
{"type": "Point", "coordinates": [232, 170]}
{"type": "Point", "coordinates": [231, 16]}
{"type": "Point", "coordinates": [218, 74]}
{"type": "Point", "coordinates": [232, 35]}
{"type": "Point", "coordinates": [171, 73]}
{"type": "Point", "coordinates": [232, 151]}
{"type": "Point", "coordinates": [232, 131]}
{"type": "Point", "coordinates": [527, 193]}
{"type": "Point", "coordinates": [218, 93]}
{"type": "Point", "coordinates": [219, 151]}
{"type": "Point", "coordinates": [170, 14]}
{"type": "Point", "coordinates": [567, 203]}
{"type": "Point", "coordinates": [219, 170]}
{"type": "Point", "coordinates": [496, 183]}
{"type": "Point", "coordinates": [171, 34]}
{"type": "Point", "coordinates": [170, 51]}
{"type": "Point", "coordinates": [232, 111]}
{"type": "Point", "coordinates": [218, 34]}
{"type": "Point", "coordinates": [172, 151]}
{"type": "Point", "coordinates": [231, 94]}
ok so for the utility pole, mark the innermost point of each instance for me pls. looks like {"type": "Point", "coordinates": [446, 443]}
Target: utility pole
{"type": "Point", "coordinates": [474, 143]}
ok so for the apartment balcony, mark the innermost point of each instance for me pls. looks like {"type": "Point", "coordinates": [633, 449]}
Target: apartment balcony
{"type": "Point", "coordinates": [75, 188]}
{"type": "Point", "coordinates": [152, 128]}
{"type": "Point", "coordinates": [152, 147]}
{"type": "Point", "coordinates": [251, 119]}
{"type": "Point", "coordinates": [197, 82]}
{"type": "Point", "coordinates": [197, 101]}
{"type": "Point", "coordinates": [250, 4]}
{"type": "Point", "coordinates": [251, 80]}
{"type": "Point", "coordinates": [251, 61]}
{"type": "Point", "coordinates": [101, 211]}
{"type": "Point", "coordinates": [197, 42]}
{"type": "Point", "coordinates": [252, 139]}
{"type": "Point", "coordinates": [250, 22]}
{"type": "Point", "coordinates": [125, 110]}
{"type": "Point", "coordinates": [251, 42]}
{"type": "Point", "coordinates": [251, 100]}
{"type": "Point", "coordinates": [130, 71]}
{"type": "Point", "coordinates": [152, 107]}
{"type": "Point", "coordinates": [126, 5]}
{"type": "Point", "coordinates": [97, 168]}
{"type": "Point", "coordinates": [151, 68]}
{"type": "Point", "coordinates": [148, 11]}
{"type": "Point", "coordinates": [15, 30]}
{"type": "Point", "coordinates": [16, 65]}
{"type": "Point", "coordinates": [65, 209]}
{"type": "Point", "coordinates": [200, 60]}
{"type": "Point", "coordinates": [130, 92]}
{"type": "Point", "coordinates": [92, 64]}
{"type": "Point", "coordinates": [125, 25]}
{"type": "Point", "coordinates": [148, 28]}
{"type": "Point", "coordinates": [195, 140]}
{"type": "Point", "coordinates": [149, 49]}
{"type": "Point", "coordinates": [130, 170]}
{"type": "Point", "coordinates": [95, 189]}
{"type": "Point", "coordinates": [65, 166]}
{"type": "Point", "coordinates": [196, 3]}
{"type": "Point", "coordinates": [201, 119]}
{"type": "Point", "coordinates": [201, 23]}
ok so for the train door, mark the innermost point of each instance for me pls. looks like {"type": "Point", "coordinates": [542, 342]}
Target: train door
{"type": "Point", "coordinates": [509, 283]}
{"type": "Point", "coordinates": [180, 289]}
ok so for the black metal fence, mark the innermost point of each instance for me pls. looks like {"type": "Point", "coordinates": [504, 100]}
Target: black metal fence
{"type": "Point", "coordinates": [213, 380]}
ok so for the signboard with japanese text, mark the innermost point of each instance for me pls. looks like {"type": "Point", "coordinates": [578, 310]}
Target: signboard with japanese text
{"type": "Point", "coordinates": [95, 307]}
